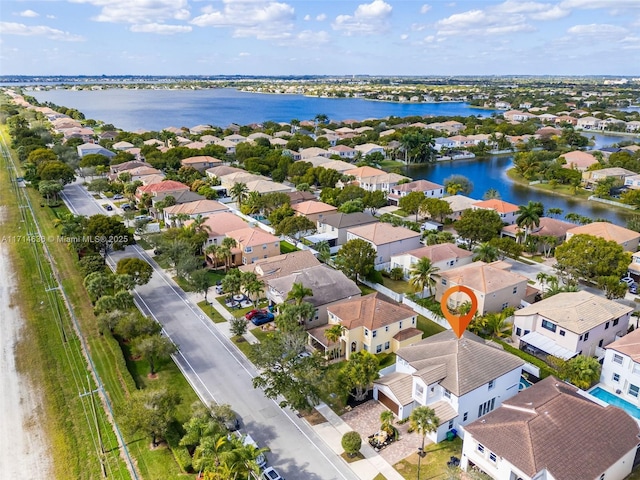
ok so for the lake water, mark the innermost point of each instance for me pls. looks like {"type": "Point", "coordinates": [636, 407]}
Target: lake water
{"type": "Point", "coordinates": [132, 110]}
{"type": "Point", "coordinates": [156, 109]}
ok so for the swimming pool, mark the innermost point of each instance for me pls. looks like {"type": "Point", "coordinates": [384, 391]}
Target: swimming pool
{"type": "Point", "coordinates": [611, 399]}
{"type": "Point", "coordinates": [524, 383]}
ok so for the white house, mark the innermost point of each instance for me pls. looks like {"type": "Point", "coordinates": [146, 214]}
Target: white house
{"type": "Point", "coordinates": [570, 324]}
{"type": "Point", "coordinates": [621, 368]}
{"type": "Point", "coordinates": [443, 256]}
{"type": "Point", "coordinates": [430, 190]}
{"type": "Point", "coordinates": [369, 148]}
{"type": "Point", "coordinates": [386, 240]}
{"type": "Point", "coordinates": [551, 432]}
{"type": "Point", "coordinates": [508, 211]}
{"type": "Point", "coordinates": [460, 379]}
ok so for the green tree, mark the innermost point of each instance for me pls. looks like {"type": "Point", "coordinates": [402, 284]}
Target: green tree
{"type": "Point", "coordinates": [238, 326]}
{"type": "Point", "coordinates": [612, 286]}
{"type": "Point", "coordinates": [458, 185]}
{"type": "Point", "coordinates": [422, 275]}
{"type": "Point", "coordinates": [423, 420]}
{"type": "Point", "coordinates": [583, 371]}
{"type": "Point", "coordinates": [295, 226]}
{"type": "Point", "coordinates": [334, 332]}
{"type": "Point", "coordinates": [56, 170]}
{"type": "Point", "coordinates": [358, 374]}
{"type": "Point", "coordinates": [588, 257]}
{"type": "Point", "coordinates": [139, 269]}
{"type": "Point", "coordinates": [232, 282]}
{"type": "Point", "coordinates": [485, 252]}
{"type": "Point", "coordinates": [50, 190]}
{"type": "Point", "coordinates": [374, 200]}
{"type": "Point", "coordinates": [411, 203]}
{"type": "Point", "coordinates": [529, 216]}
{"type": "Point", "coordinates": [201, 281]}
{"type": "Point", "coordinates": [298, 293]}
{"type": "Point", "coordinates": [324, 251]}
{"type": "Point", "coordinates": [479, 225]}
{"type": "Point", "coordinates": [492, 193]}
{"type": "Point", "coordinates": [239, 193]}
{"type": "Point", "coordinates": [436, 208]}
{"type": "Point", "coordinates": [106, 233]}
{"type": "Point", "coordinates": [356, 258]}
{"type": "Point", "coordinates": [154, 349]}
{"type": "Point", "coordinates": [151, 412]}
{"type": "Point", "coordinates": [351, 443]}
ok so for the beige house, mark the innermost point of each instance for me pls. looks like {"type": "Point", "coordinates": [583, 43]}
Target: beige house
{"type": "Point", "coordinates": [222, 170]}
{"type": "Point", "coordinates": [254, 244]}
{"type": "Point", "coordinates": [281, 265]}
{"type": "Point", "coordinates": [549, 227]}
{"type": "Point", "coordinates": [329, 286]}
{"type": "Point", "coordinates": [314, 152]}
{"type": "Point", "coordinates": [372, 179]}
{"type": "Point", "coordinates": [458, 204]}
{"type": "Point", "coordinates": [333, 228]}
{"type": "Point", "coordinates": [617, 173]}
{"type": "Point", "coordinates": [264, 186]}
{"type": "Point", "coordinates": [217, 227]}
{"type": "Point", "coordinates": [371, 323]}
{"type": "Point", "coordinates": [581, 161]}
{"type": "Point", "coordinates": [444, 256]}
{"type": "Point", "coordinates": [430, 190]}
{"type": "Point", "coordinates": [610, 232]}
{"type": "Point", "coordinates": [314, 210]}
{"type": "Point", "coordinates": [570, 324]}
{"type": "Point", "coordinates": [494, 286]}
{"type": "Point", "coordinates": [386, 240]}
{"type": "Point", "coordinates": [201, 162]}
{"type": "Point", "coordinates": [203, 208]}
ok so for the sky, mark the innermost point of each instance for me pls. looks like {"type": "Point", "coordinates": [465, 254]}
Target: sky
{"type": "Point", "coordinates": [307, 37]}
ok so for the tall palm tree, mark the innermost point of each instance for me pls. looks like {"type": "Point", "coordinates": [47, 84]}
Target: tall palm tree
{"type": "Point", "coordinates": [239, 193]}
{"type": "Point", "coordinates": [529, 216]}
{"type": "Point", "coordinates": [298, 292]}
{"type": "Point", "coordinates": [485, 252]}
{"type": "Point", "coordinates": [228, 244]}
{"type": "Point", "coordinates": [421, 275]}
{"type": "Point", "coordinates": [198, 225]}
{"type": "Point", "coordinates": [334, 332]}
{"type": "Point", "coordinates": [212, 252]}
{"type": "Point", "coordinates": [423, 420]}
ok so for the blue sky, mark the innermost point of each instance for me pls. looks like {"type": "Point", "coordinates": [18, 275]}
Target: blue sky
{"type": "Point", "coordinates": [377, 37]}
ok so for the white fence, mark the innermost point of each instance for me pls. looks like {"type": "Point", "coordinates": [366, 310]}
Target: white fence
{"type": "Point", "coordinates": [382, 289]}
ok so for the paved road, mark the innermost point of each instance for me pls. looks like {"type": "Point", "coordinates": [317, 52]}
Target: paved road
{"type": "Point", "coordinates": [218, 371]}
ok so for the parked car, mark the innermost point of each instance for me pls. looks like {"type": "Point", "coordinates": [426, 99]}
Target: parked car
{"type": "Point", "coordinates": [249, 315]}
{"type": "Point", "coordinates": [261, 460]}
{"type": "Point", "coordinates": [262, 318]}
{"type": "Point", "coordinates": [107, 207]}
{"type": "Point", "coordinates": [125, 206]}
{"type": "Point", "coordinates": [117, 196]}
{"type": "Point", "coordinates": [271, 474]}
{"type": "Point", "coordinates": [627, 280]}
{"type": "Point", "coordinates": [633, 288]}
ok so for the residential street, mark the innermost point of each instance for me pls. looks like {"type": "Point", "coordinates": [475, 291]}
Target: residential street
{"type": "Point", "coordinates": [218, 371]}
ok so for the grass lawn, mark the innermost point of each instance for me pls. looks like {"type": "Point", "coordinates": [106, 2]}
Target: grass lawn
{"type": "Point", "coordinates": [286, 247]}
{"type": "Point", "coordinates": [386, 359]}
{"type": "Point", "coordinates": [211, 312]}
{"type": "Point", "coordinates": [434, 465]}
{"type": "Point", "coordinates": [349, 459]}
{"type": "Point", "coordinates": [243, 345]}
{"type": "Point", "coordinates": [144, 244]}
{"type": "Point", "coordinates": [241, 312]}
{"type": "Point", "coordinates": [260, 334]}
{"type": "Point", "coordinates": [428, 327]}
{"type": "Point", "coordinates": [399, 286]}
{"type": "Point", "coordinates": [380, 477]}
{"type": "Point", "coordinates": [365, 290]}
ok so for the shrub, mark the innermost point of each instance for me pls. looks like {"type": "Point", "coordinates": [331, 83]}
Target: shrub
{"type": "Point", "coordinates": [238, 326]}
{"type": "Point", "coordinates": [376, 277]}
{"type": "Point", "coordinates": [351, 442]}
{"type": "Point", "coordinates": [183, 459]}
{"type": "Point", "coordinates": [396, 273]}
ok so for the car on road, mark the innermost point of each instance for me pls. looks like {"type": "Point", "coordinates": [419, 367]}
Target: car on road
{"type": "Point", "coordinates": [249, 315]}
{"type": "Point", "coordinates": [261, 460]}
{"type": "Point", "coordinates": [271, 474]}
{"type": "Point", "coordinates": [107, 207]}
{"type": "Point", "coordinates": [262, 318]}
{"type": "Point", "coordinates": [117, 196]}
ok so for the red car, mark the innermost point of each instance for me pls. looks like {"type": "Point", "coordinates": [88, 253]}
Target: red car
{"type": "Point", "coordinates": [252, 313]}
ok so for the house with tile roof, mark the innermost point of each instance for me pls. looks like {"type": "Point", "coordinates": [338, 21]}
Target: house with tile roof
{"type": "Point", "coordinates": [461, 379]}
{"type": "Point", "coordinates": [430, 190]}
{"type": "Point", "coordinates": [493, 284]}
{"type": "Point", "coordinates": [343, 151]}
{"type": "Point", "coordinates": [314, 152]}
{"type": "Point", "coordinates": [228, 145]}
{"type": "Point", "coordinates": [328, 285]}
{"type": "Point", "coordinates": [578, 160]}
{"type": "Point", "coordinates": [222, 170]}
{"type": "Point", "coordinates": [386, 240]}
{"type": "Point", "coordinates": [549, 227]}
{"type": "Point", "coordinates": [264, 186]}
{"type": "Point", "coordinates": [299, 197]}
{"type": "Point", "coordinates": [620, 373]}
{"type": "Point", "coordinates": [122, 145]}
{"type": "Point", "coordinates": [552, 431]}
{"type": "Point", "coordinates": [254, 244]}
{"type": "Point", "coordinates": [201, 162]}
{"type": "Point", "coordinates": [123, 167]}
{"type": "Point", "coordinates": [372, 179]}
{"type": "Point", "coordinates": [228, 181]}
{"type": "Point", "coordinates": [458, 204]}
{"type": "Point", "coordinates": [508, 211]}
{"type": "Point", "coordinates": [204, 208]}
{"type": "Point", "coordinates": [570, 324]}
{"type": "Point", "coordinates": [281, 265]}
{"type": "Point", "coordinates": [93, 148]}
{"type": "Point", "coordinates": [443, 256]}
{"type": "Point", "coordinates": [333, 228]}
{"type": "Point", "coordinates": [617, 173]}
{"type": "Point", "coordinates": [217, 227]}
{"type": "Point", "coordinates": [370, 148]}
{"type": "Point", "coordinates": [610, 232]}
{"type": "Point", "coordinates": [314, 210]}
{"type": "Point", "coordinates": [167, 186]}
{"type": "Point", "coordinates": [372, 323]}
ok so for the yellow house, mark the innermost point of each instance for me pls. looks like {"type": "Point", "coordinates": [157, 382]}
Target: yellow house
{"type": "Point", "coordinates": [369, 323]}
{"type": "Point", "coordinates": [255, 244]}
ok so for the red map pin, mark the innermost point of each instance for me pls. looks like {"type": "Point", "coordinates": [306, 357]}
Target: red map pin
{"type": "Point", "coordinates": [459, 323]}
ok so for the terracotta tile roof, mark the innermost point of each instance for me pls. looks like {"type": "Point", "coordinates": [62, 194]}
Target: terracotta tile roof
{"type": "Point", "coordinates": [418, 186]}
{"type": "Point", "coordinates": [297, 197]}
{"type": "Point", "coordinates": [605, 230]}
{"type": "Point", "coordinates": [483, 277]}
{"type": "Point", "coordinates": [221, 223]}
{"type": "Point", "coordinates": [459, 203]}
{"type": "Point", "coordinates": [440, 252]}
{"type": "Point", "coordinates": [578, 312]}
{"type": "Point", "coordinates": [629, 345]}
{"type": "Point", "coordinates": [579, 159]}
{"type": "Point", "coordinates": [548, 226]}
{"type": "Point", "coordinates": [551, 427]}
{"type": "Point", "coordinates": [313, 206]}
{"type": "Point", "coordinates": [164, 186]}
{"type": "Point", "coordinates": [194, 208]}
{"type": "Point", "coordinates": [342, 148]}
{"type": "Point", "coordinates": [365, 172]}
{"type": "Point", "coordinates": [281, 265]}
{"type": "Point", "coordinates": [499, 206]}
{"type": "Point", "coordinates": [200, 159]}
{"type": "Point", "coordinates": [470, 362]}
{"type": "Point", "coordinates": [251, 237]}
{"type": "Point", "coordinates": [382, 233]}
{"type": "Point", "coordinates": [372, 311]}
{"type": "Point", "coordinates": [223, 170]}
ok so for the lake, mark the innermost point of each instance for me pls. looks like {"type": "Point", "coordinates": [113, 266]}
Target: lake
{"type": "Point", "coordinates": [131, 109]}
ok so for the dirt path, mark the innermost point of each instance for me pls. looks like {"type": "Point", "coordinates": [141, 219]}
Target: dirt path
{"type": "Point", "coordinates": [23, 447]}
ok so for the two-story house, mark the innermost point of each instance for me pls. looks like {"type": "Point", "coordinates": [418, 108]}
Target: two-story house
{"type": "Point", "coordinates": [371, 323]}
{"type": "Point", "coordinates": [579, 160]}
{"type": "Point", "coordinates": [430, 190]}
{"type": "Point", "coordinates": [386, 240]}
{"type": "Point", "coordinates": [254, 244]}
{"type": "Point", "coordinates": [373, 179]}
{"type": "Point", "coordinates": [217, 227]}
{"type": "Point", "coordinates": [608, 231]}
{"type": "Point", "coordinates": [333, 228]}
{"type": "Point", "coordinates": [314, 210]}
{"type": "Point", "coordinates": [494, 286]}
{"type": "Point", "coordinates": [621, 368]}
{"type": "Point", "coordinates": [551, 432]}
{"type": "Point", "coordinates": [201, 162]}
{"type": "Point", "coordinates": [202, 208]}
{"type": "Point", "coordinates": [461, 379]}
{"type": "Point", "coordinates": [508, 211]}
{"type": "Point", "coordinates": [443, 256]}
{"type": "Point", "coordinates": [569, 324]}
{"type": "Point", "coordinates": [170, 187]}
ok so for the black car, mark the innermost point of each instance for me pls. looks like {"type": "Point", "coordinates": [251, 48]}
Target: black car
{"type": "Point", "coordinates": [108, 207]}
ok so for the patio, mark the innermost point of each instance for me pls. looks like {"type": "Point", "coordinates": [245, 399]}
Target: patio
{"type": "Point", "coordinates": [365, 419]}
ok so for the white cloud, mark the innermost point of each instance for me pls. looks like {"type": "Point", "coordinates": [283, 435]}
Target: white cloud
{"type": "Point", "coordinates": [307, 18]}
{"type": "Point", "coordinates": [308, 38]}
{"type": "Point", "coordinates": [11, 28]}
{"type": "Point", "coordinates": [29, 14]}
{"type": "Point", "coordinates": [553, 13]}
{"type": "Point", "coordinates": [592, 4]}
{"type": "Point", "coordinates": [322, 17]}
{"type": "Point", "coordinates": [599, 30]}
{"type": "Point", "coordinates": [368, 18]}
{"type": "Point", "coordinates": [139, 11]}
{"type": "Point", "coordinates": [244, 54]}
{"type": "Point", "coordinates": [160, 28]}
{"type": "Point", "coordinates": [250, 18]}
{"type": "Point", "coordinates": [51, 16]}
{"type": "Point", "coordinates": [425, 8]}
{"type": "Point", "coordinates": [404, 36]}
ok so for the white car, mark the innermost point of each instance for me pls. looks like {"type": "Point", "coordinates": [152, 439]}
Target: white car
{"type": "Point", "coordinates": [271, 474]}
{"type": "Point", "coordinates": [628, 280]}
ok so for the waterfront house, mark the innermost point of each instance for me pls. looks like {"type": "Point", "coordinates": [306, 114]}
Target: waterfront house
{"type": "Point", "coordinates": [493, 284]}
{"type": "Point", "coordinates": [370, 148]}
{"type": "Point", "coordinates": [508, 211]}
{"type": "Point", "coordinates": [458, 204]}
{"type": "Point", "coordinates": [443, 143]}
{"type": "Point", "coordinates": [552, 431]}
{"type": "Point", "coordinates": [372, 179]}
{"type": "Point", "coordinates": [548, 227]}
{"type": "Point", "coordinates": [570, 324]}
{"type": "Point", "coordinates": [328, 285]}
{"type": "Point", "coordinates": [633, 126]}
{"type": "Point", "coordinates": [578, 160]}
{"type": "Point", "coordinates": [371, 323]}
{"type": "Point", "coordinates": [443, 256]}
{"type": "Point", "coordinates": [617, 173]}
{"type": "Point", "coordinates": [622, 236]}
{"type": "Point", "coordinates": [461, 379]}
{"type": "Point", "coordinates": [430, 190]}
{"type": "Point", "coordinates": [589, 123]}
{"type": "Point", "coordinates": [386, 240]}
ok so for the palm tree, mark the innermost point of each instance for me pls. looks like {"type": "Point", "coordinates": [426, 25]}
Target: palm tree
{"type": "Point", "coordinates": [555, 211]}
{"type": "Point", "coordinates": [423, 420]}
{"type": "Point", "coordinates": [239, 193]}
{"type": "Point", "coordinates": [529, 216]}
{"type": "Point", "coordinates": [491, 193]}
{"type": "Point", "coordinates": [298, 292]}
{"type": "Point", "coordinates": [421, 275]}
{"type": "Point", "coordinates": [334, 332]}
{"type": "Point", "coordinates": [485, 252]}
{"type": "Point", "coordinates": [496, 323]}
{"type": "Point", "coordinates": [324, 251]}
{"type": "Point", "coordinates": [386, 421]}
{"type": "Point", "coordinates": [198, 225]}
{"type": "Point", "coordinates": [228, 244]}
{"type": "Point", "coordinates": [212, 252]}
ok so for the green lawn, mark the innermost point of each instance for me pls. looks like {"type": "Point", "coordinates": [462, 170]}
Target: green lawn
{"type": "Point", "coordinates": [286, 247]}
{"type": "Point", "coordinates": [243, 345]}
{"type": "Point", "coordinates": [365, 290]}
{"type": "Point", "coordinates": [211, 312]}
{"type": "Point", "coordinates": [428, 327]}
{"type": "Point", "coordinates": [399, 286]}
{"type": "Point", "coordinates": [434, 465]}
{"type": "Point", "coordinates": [386, 359]}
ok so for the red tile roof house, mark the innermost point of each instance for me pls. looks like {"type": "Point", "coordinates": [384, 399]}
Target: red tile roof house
{"type": "Point", "coordinates": [314, 210]}
{"type": "Point", "coordinates": [166, 186]}
{"type": "Point", "coordinates": [254, 244]}
{"type": "Point", "coordinates": [508, 211]}
{"type": "Point", "coordinates": [552, 431]}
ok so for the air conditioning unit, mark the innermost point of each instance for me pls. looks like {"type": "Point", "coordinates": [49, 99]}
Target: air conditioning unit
{"type": "Point", "coordinates": [618, 392]}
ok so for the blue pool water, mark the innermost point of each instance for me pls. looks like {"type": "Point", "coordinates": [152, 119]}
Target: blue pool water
{"type": "Point", "coordinates": [524, 383]}
{"type": "Point", "coordinates": [611, 399]}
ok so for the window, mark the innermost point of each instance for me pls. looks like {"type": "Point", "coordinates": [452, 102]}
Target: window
{"type": "Point", "coordinates": [447, 393]}
{"type": "Point", "coordinates": [518, 331]}
{"type": "Point", "coordinates": [444, 281]}
{"type": "Point", "coordinates": [601, 342]}
{"type": "Point", "coordinates": [264, 247]}
{"type": "Point", "coordinates": [486, 407]}
{"type": "Point", "coordinates": [504, 305]}
{"type": "Point", "coordinates": [419, 390]}
{"type": "Point", "coordinates": [378, 348]}
{"type": "Point", "coordinates": [606, 325]}
{"type": "Point", "coordinates": [400, 325]}
{"type": "Point", "coordinates": [386, 329]}
{"type": "Point", "coordinates": [450, 426]}
{"type": "Point", "coordinates": [366, 347]}
{"type": "Point", "coordinates": [386, 345]}
{"type": "Point", "coordinates": [515, 290]}
{"type": "Point", "coordinates": [633, 390]}
{"type": "Point", "coordinates": [465, 416]}
{"type": "Point", "coordinates": [374, 334]}
{"type": "Point", "coordinates": [481, 448]}
{"type": "Point", "coordinates": [615, 322]}
{"type": "Point", "coordinates": [616, 377]}
{"type": "Point", "coordinates": [366, 332]}
{"type": "Point", "coordinates": [549, 325]}
{"type": "Point", "coordinates": [413, 321]}
{"type": "Point", "coordinates": [586, 336]}
{"type": "Point", "coordinates": [492, 383]}
{"type": "Point", "coordinates": [580, 338]}
{"type": "Point", "coordinates": [492, 457]}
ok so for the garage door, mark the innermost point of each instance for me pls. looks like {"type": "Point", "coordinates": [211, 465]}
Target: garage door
{"type": "Point", "coordinates": [387, 402]}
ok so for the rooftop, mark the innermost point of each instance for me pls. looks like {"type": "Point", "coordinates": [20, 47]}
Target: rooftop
{"type": "Point", "coordinates": [371, 311]}
{"type": "Point", "coordinates": [439, 252]}
{"type": "Point", "coordinates": [629, 345]}
{"type": "Point", "coordinates": [381, 233]}
{"type": "Point", "coordinates": [605, 230]}
{"type": "Point", "coordinates": [483, 277]}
